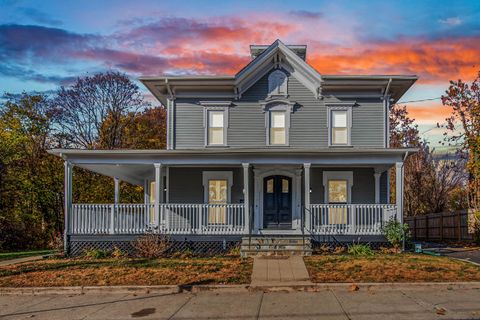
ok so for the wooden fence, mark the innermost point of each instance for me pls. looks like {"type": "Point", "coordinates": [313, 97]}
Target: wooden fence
{"type": "Point", "coordinates": [445, 226]}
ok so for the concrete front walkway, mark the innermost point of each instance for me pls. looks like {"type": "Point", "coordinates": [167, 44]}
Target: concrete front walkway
{"type": "Point", "coordinates": [402, 302]}
{"type": "Point", "coordinates": [279, 271]}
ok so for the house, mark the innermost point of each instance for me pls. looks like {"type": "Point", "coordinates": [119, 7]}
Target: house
{"type": "Point", "coordinates": [276, 151]}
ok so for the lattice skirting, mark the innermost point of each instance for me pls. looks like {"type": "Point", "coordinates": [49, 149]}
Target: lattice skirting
{"type": "Point", "coordinates": [197, 247]}
{"type": "Point", "coordinates": [375, 242]}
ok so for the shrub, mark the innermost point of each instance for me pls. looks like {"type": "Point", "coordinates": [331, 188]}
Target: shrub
{"type": "Point", "coordinates": [396, 233]}
{"type": "Point", "coordinates": [476, 227]}
{"type": "Point", "coordinates": [360, 250]}
{"type": "Point", "coordinates": [93, 253]}
{"type": "Point", "coordinates": [234, 252]}
{"type": "Point", "coordinates": [152, 245]}
{"type": "Point", "coordinates": [117, 253]}
{"type": "Point", "coordinates": [56, 243]}
{"type": "Point", "coordinates": [339, 249]}
{"type": "Point", "coordinates": [323, 249]}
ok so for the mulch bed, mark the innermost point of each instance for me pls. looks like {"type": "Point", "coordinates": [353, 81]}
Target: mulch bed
{"type": "Point", "coordinates": [125, 271]}
{"type": "Point", "coordinates": [405, 267]}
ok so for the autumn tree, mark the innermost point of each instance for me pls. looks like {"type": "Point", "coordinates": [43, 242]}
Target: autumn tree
{"type": "Point", "coordinates": [464, 101]}
{"type": "Point", "coordinates": [143, 130]}
{"type": "Point", "coordinates": [82, 108]}
{"type": "Point", "coordinates": [429, 182]}
{"type": "Point", "coordinates": [31, 180]}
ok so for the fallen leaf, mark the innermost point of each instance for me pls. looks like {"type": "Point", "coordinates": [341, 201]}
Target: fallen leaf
{"type": "Point", "coordinates": [440, 310]}
{"type": "Point", "coordinates": [354, 287]}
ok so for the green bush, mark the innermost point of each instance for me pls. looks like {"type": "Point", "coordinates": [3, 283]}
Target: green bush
{"type": "Point", "coordinates": [360, 250]}
{"type": "Point", "coordinates": [395, 233]}
{"type": "Point", "coordinates": [93, 253]}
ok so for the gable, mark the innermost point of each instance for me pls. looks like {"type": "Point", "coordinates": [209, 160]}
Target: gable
{"type": "Point", "coordinates": [278, 56]}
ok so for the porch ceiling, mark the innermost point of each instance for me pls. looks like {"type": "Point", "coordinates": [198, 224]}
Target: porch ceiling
{"type": "Point", "coordinates": [135, 166]}
{"type": "Point", "coordinates": [132, 173]}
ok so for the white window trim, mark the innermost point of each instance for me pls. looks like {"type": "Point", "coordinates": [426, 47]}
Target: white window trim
{"type": "Point", "coordinates": [217, 175]}
{"type": "Point", "coordinates": [338, 175]}
{"type": "Point", "coordinates": [288, 109]}
{"type": "Point", "coordinates": [216, 106]}
{"type": "Point", "coordinates": [348, 109]}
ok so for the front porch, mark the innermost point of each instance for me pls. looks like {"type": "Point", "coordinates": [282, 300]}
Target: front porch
{"type": "Point", "coordinates": [231, 194]}
{"type": "Point", "coordinates": [196, 219]}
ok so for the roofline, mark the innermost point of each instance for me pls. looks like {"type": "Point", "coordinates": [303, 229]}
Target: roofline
{"type": "Point", "coordinates": [371, 76]}
{"type": "Point", "coordinates": [219, 151]}
{"type": "Point", "coordinates": [324, 76]}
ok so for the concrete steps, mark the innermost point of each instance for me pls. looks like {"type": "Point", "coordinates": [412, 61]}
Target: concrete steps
{"type": "Point", "coordinates": [270, 245]}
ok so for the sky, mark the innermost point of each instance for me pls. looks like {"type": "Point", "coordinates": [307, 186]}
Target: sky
{"type": "Point", "coordinates": [46, 44]}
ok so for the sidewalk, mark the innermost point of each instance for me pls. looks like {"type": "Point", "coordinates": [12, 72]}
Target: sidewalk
{"type": "Point", "coordinates": [280, 270]}
{"type": "Point", "coordinates": [406, 302]}
{"type": "Point", "coordinates": [20, 260]}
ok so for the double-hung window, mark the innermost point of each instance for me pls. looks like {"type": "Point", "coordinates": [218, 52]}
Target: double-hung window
{"type": "Point", "coordinates": [216, 128]}
{"type": "Point", "coordinates": [340, 119]}
{"type": "Point", "coordinates": [278, 131]}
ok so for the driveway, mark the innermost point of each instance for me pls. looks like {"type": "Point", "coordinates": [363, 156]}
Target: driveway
{"type": "Point", "coordinates": [405, 302]}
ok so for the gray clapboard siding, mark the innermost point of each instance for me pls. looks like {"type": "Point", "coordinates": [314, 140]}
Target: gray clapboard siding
{"type": "Point", "coordinates": [308, 127]}
{"type": "Point", "coordinates": [186, 185]}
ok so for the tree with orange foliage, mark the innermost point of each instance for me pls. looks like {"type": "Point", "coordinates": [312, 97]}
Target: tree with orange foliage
{"type": "Point", "coordinates": [464, 100]}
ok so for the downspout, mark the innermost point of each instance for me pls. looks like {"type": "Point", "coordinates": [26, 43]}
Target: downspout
{"type": "Point", "coordinates": [403, 193]}
{"type": "Point", "coordinates": [386, 102]}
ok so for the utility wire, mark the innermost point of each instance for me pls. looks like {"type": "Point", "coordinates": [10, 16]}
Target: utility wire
{"type": "Point", "coordinates": [413, 101]}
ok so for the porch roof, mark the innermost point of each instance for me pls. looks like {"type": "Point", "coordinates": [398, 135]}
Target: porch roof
{"type": "Point", "coordinates": [135, 166]}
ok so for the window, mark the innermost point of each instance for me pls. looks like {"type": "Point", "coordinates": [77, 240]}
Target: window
{"type": "Point", "coordinates": [339, 122]}
{"type": "Point", "coordinates": [339, 127]}
{"type": "Point", "coordinates": [216, 127]}
{"type": "Point", "coordinates": [278, 133]}
{"type": "Point", "coordinates": [337, 191]}
{"type": "Point", "coordinates": [217, 195]}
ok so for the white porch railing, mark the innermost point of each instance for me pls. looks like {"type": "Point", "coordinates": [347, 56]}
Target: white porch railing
{"type": "Point", "coordinates": [173, 218]}
{"type": "Point", "coordinates": [203, 218]}
{"type": "Point", "coordinates": [110, 218]}
{"type": "Point", "coordinates": [349, 219]}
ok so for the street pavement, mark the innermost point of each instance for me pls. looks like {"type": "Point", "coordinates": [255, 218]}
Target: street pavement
{"type": "Point", "coordinates": [402, 302]}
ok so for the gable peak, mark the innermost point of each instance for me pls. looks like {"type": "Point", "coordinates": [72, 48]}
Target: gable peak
{"type": "Point", "coordinates": [258, 49]}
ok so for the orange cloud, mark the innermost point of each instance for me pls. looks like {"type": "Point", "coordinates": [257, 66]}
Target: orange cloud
{"type": "Point", "coordinates": [433, 60]}
{"type": "Point", "coordinates": [429, 112]}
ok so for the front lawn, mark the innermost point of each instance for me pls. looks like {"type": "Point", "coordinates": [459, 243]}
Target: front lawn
{"type": "Point", "coordinates": [103, 272]}
{"type": "Point", "coordinates": [405, 267]}
{"type": "Point", "coordinates": [23, 254]}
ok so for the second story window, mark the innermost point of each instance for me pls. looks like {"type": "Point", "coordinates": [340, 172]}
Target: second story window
{"type": "Point", "coordinates": [216, 128]}
{"type": "Point", "coordinates": [278, 132]}
{"type": "Point", "coordinates": [339, 126]}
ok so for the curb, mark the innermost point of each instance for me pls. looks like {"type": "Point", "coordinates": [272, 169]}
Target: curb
{"type": "Point", "coordinates": [173, 289]}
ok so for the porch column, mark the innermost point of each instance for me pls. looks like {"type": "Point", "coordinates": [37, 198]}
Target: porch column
{"type": "Point", "coordinates": [306, 167]}
{"type": "Point", "coordinates": [68, 203]}
{"type": "Point", "coordinates": [116, 198]}
{"type": "Point", "coordinates": [246, 194]}
{"type": "Point", "coordinates": [146, 191]}
{"type": "Point", "coordinates": [399, 190]}
{"type": "Point", "coordinates": [158, 192]}
{"type": "Point", "coordinates": [377, 176]}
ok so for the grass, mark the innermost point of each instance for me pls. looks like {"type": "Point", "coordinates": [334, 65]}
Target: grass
{"type": "Point", "coordinates": [405, 267]}
{"type": "Point", "coordinates": [23, 254]}
{"type": "Point", "coordinates": [103, 272]}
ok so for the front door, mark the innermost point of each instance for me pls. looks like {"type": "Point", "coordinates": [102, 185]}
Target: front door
{"type": "Point", "coordinates": [277, 202]}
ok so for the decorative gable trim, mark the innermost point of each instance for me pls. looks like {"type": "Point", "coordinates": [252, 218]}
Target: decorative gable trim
{"type": "Point", "coordinates": [278, 55]}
